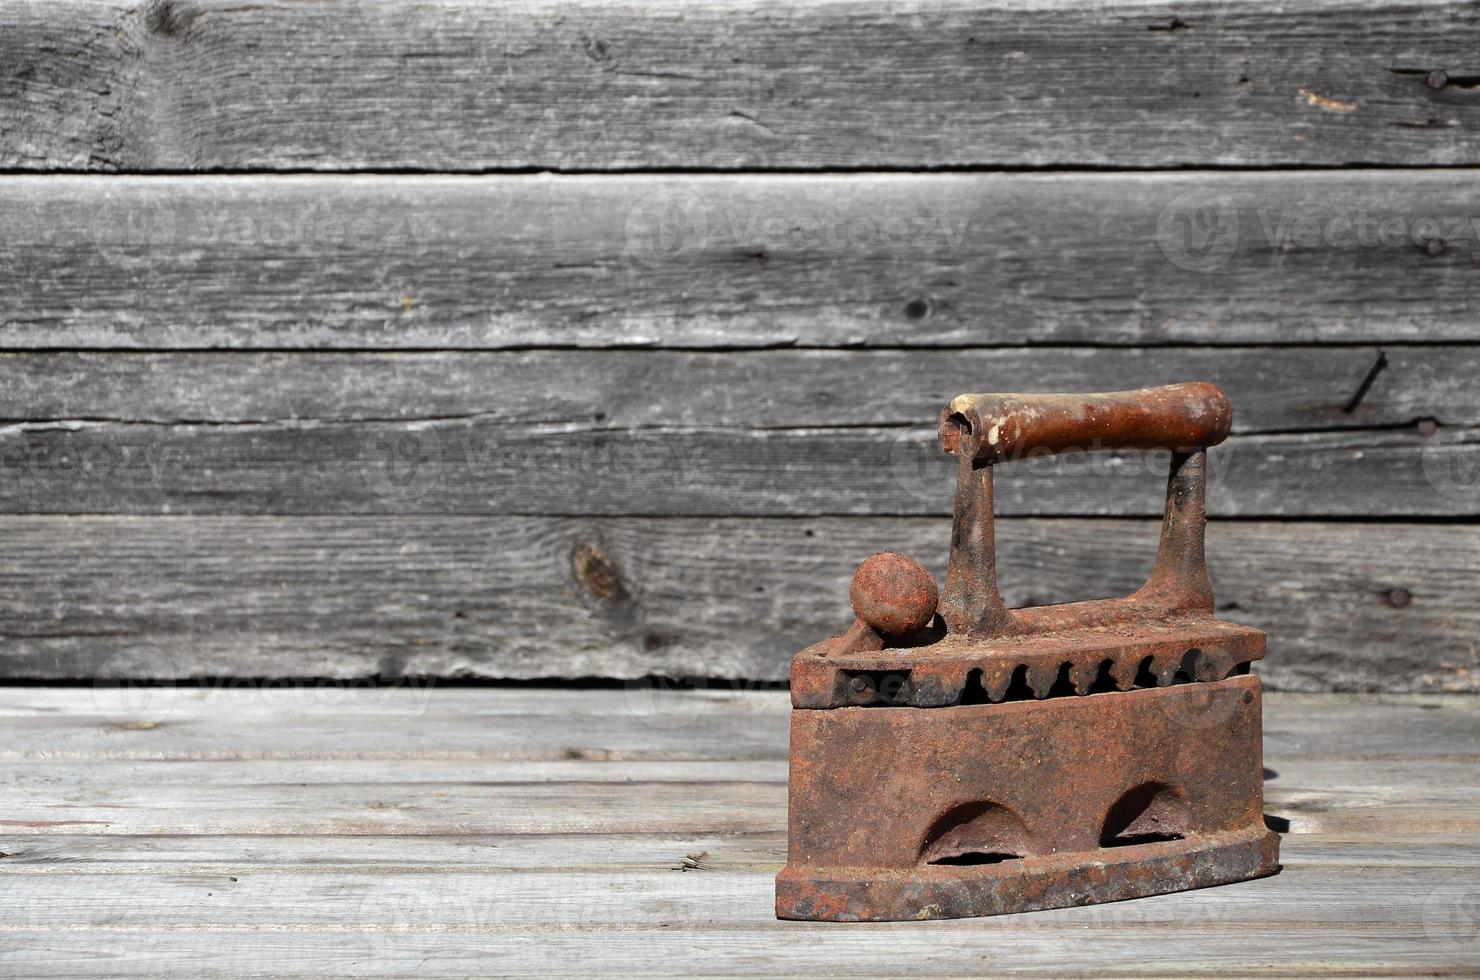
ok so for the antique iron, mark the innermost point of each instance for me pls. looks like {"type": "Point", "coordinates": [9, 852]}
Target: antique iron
{"type": "Point", "coordinates": [953, 757]}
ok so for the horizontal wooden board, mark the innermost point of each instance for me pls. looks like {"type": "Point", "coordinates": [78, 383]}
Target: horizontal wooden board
{"type": "Point", "coordinates": [241, 720]}
{"type": "Point", "coordinates": [603, 84]}
{"type": "Point", "coordinates": [760, 852]}
{"type": "Point", "coordinates": [1289, 948]}
{"type": "Point", "coordinates": [441, 797]}
{"type": "Point", "coordinates": [573, 897]}
{"type": "Point", "coordinates": [255, 700]}
{"type": "Point", "coordinates": [1273, 389]}
{"type": "Point", "coordinates": [717, 806]}
{"type": "Point", "coordinates": [665, 432]}
{"type": "Point", "coordinates": [126, 723]}
{"type": "Point", "coordinates": [1383, 607]}
{"type": "Point", "coordinates": [477, 465]}
{"type": "Point", "coordinates": [944, 259]}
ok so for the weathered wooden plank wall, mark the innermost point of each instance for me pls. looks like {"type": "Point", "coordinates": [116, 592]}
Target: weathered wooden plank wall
{"type": "Point", "coordinates": [734, 84]}
{"type": "Point", "coordinates": [740, 261]}
{"type": "Point", "coordinates": [642, 411]}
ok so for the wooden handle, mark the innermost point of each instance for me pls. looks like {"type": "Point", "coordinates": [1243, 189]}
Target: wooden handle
{"type": "Point", "coordinates": [995, 428]}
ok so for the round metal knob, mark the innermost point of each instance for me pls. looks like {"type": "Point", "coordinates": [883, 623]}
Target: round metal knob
{"type": "Point", "coordinates": [894, 594]}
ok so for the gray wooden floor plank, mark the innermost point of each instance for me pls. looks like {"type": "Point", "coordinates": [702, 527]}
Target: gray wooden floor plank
{"type": "Point", "coordinates": [1381, 607]}
{"type": "Point", "coordinates": [604, 84]}
{"type": "Point", "coordinates": [337, 703]}
{"type": "Point", "coordinates": [760, 851]}
{"type": "Point", "coordinates": [571, 897]}
{"type": "Point", "coordinates": [739, 261]}
{"type": "Point", "coordinates": [406, 724]}
{"type": "Point", "coordinates": [439, 798]}
{"type": "Point", "coordinates": [1285, 949]}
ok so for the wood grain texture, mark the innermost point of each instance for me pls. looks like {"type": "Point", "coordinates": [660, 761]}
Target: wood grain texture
{"type": "Point", "coordinates": [481, 466]}
{"type": "Point", "coordinates": [1274, 389]}
{"type": "Point", "coordinates": [240, 721]}
{"type": "Point", "coordinates": [889, 260]}
{"type": "Point", "coordinates": [574, 897]}
{"type": "Point", "coordinates": [606, 84]}
{"type": "Point", "coordinates": [670, 432]}
{"type": "Point", "coordinates": [143, 862]}
{"type": "Point", "coordinates": [752, 948]}
{"type": "Point", "coordinates": [440, 797]}
{"type": "Point", "coordinates": [224, 855]}
{"type": "Point", "coordinates": [1347, 605]}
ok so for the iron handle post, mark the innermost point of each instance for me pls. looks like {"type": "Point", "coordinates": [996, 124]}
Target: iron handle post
{"type": "Point", "coordinates": [982, 430]}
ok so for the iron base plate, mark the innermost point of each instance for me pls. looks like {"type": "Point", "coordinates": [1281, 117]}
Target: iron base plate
{"type": "Point", "coordinates": [1027, 884]}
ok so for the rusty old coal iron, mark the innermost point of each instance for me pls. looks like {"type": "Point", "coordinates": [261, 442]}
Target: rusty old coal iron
{"type": "Point", "coordinates": [953, 757]}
